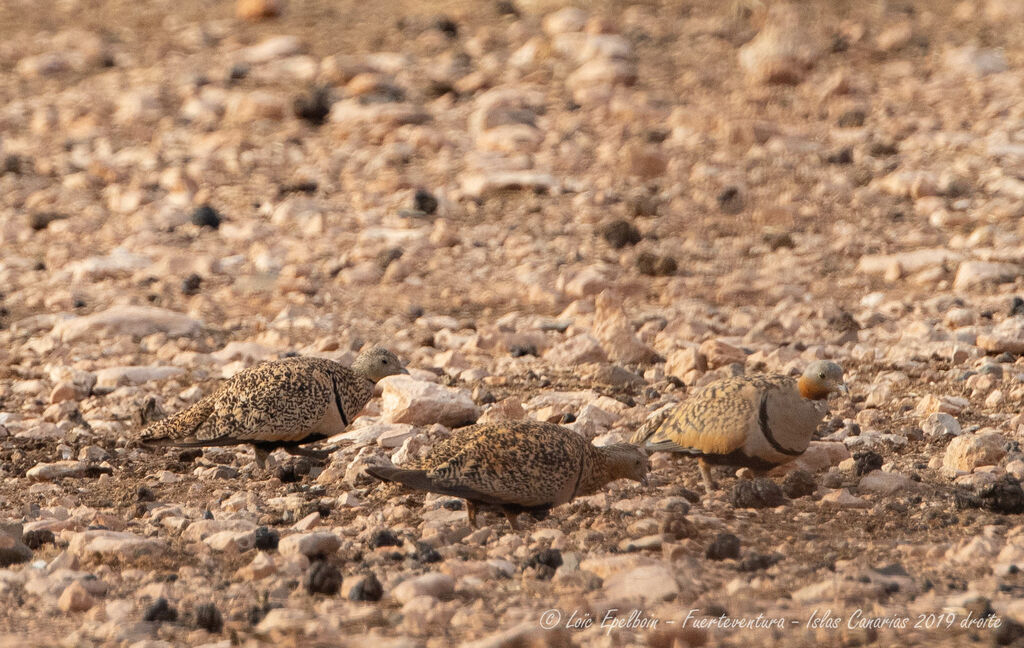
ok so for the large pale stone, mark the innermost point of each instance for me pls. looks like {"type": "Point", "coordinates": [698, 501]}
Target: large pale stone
{"type": "Point", "coordinates": [407, 400]}
{"type": "Point", "coordinates": [137, 321]}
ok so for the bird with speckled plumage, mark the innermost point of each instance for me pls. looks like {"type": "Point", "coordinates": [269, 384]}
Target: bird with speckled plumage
{"type": "Point", "coordinates": [280, 404]}
{"type": "Point", "coordinates": [517, 467]}
{"type": "Point", "coordinates": [754, 421]}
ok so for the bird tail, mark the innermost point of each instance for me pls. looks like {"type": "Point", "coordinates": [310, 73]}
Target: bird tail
{"type": "Point", "coordinates": [178, 430]}
{"type": "Point", "coordinates": [421, 480]}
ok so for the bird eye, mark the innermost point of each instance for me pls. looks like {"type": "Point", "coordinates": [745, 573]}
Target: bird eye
{"type": "Point", "coordinates": [821, 376]}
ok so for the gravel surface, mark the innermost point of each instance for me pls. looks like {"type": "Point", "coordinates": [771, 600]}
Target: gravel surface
{"type": "Point", "coordinates": [576, 215]}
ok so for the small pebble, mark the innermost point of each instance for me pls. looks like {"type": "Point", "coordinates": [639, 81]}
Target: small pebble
{"type": "Point", "coordinates": [724, 546]}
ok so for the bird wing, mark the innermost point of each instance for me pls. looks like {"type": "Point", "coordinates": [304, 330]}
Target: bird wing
{"type": "Point", "coordinates": [272, 402]}
{"type": "Point", "coordinates": [715, 421]}
{"type": "Point", "coordinates": [515, 464]}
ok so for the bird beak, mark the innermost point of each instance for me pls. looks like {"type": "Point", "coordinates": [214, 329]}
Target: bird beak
{"type": "Point", "coordinates": [404, 371]}
{"type": "Point", "coordinates": [843, 389]}
{"type": "Point", "coordinates": [644, 481]}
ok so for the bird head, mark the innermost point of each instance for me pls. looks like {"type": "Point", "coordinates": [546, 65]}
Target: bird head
{"type": "Point", "coordinates": [627, 461]}
{"type": "Point", "coordinates": [820, 379]}
{"type": "Point", "coordinates": [376, 363]}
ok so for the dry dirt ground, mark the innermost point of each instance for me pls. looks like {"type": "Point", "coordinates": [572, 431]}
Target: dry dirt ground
{"type": "Point", "coordinates": [580, 216]}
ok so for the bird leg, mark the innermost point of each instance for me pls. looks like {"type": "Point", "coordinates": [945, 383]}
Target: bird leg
{"type": "Point", "coordinates": [261, 457]}
{"type": "Point", "coordinates": [471, 514]}
{"type": "Point", "coordinates": [511, 517]}
{"type": "Point", "coordinates": [705, 473]}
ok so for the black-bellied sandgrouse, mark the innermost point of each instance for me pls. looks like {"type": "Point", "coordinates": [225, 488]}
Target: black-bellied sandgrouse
{"type": "Point", "coordinates": [519, 466]}
{"type": "Point", "coordinates": [279, 404]}
{"type": "Point", "coordinates": [753, 421]}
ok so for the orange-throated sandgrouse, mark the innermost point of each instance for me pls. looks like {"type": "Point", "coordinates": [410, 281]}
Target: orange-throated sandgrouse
{"type": "Point", "coordinates": [280, 404]}
{"type": "Point", "coordinates": [519, 466]}
{"type": "Point", "coordinates": [753, 421]}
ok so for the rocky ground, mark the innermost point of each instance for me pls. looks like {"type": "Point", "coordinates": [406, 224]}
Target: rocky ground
{"type": "Point", "coordinates": [575, 215]}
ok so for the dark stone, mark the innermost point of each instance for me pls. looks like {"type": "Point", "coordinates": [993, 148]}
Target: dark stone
{"type": "Point", "coordinates": [851, 119]}
{"type": "Point", "coordinates": [691, 496]}
{"type": "Point", "coordinates": [315, 106]}
{"type": "Point", "coordinates": [209, 618]}
{"type": "Point", "coordinates": [427, 554]}
{"type": "Point", "coordinates": [453, 505]}
{"type": "Point", "coordinates": [384, 538]}
{"type": "Point", "coordinates": [867, 461]}
{"type": "Point", "coordinates": [414, 313]}
{"type": "Point", "coordinates": [160, 611]}
{"type": "Point", "coordinates": [238, 72]}
{"type": "Point", "coordinates": [190, 455]}
{"type": "Point", "coordinates": [265, 539]}
{"type": "Point", "coordinates": [567, 418]}
{"type": "Point", "coordinates": [757, 493]}
{"type": "Point", "coordinates": [424, 201]}
{"type": "Point", "coordinates": [980, 608]}
{"type": "Point", "coordinates": [963, 500]}
{"type": "Point", "coordinates": [40, 220]}
{"type": "Point", "coordinates": [653, 265]}
{"type": "Point", "coordinates": [730, 200]}
{"type": "Point", "coordinates": [446, 26]}
{"type": "Point", "coordinates": [1008, 633]}
{"type": "Point", "coordinates": [716, 610]}
{"type": "Point", "coordinates": [883, 149]}
{"type": "Point", "coordinates": [386, 257]}
{"type": "Point", "coordinates": [545, 562]}
{"type": "Point", "coordinates": [436, 88]}
{"type": "Point", "coordinates": [799, 483]}
{"type": "Point", "coordinates": [758, 562]}
{"type": "Point", "coordinates": [37, 538]}
{"type": "Point", "coordinates": [550, 557]}
{"type": "Point", "coordinates": [520, 350]}
{"type": "Point", "coordinates": [288, 474]}
{"type": "Point", "coordinates": [11, 164]}
{"type": "Point", "coordinates": [725, 545]}
{"type": "Point", "coordinates": [206, 216]}
{"type": "Point", "coordinates": [1016, 307]}
{"type": "Point", "coordinates": [323, 578]}
{"type": "Point", "coordinates": [1003, 496]}
{"type": "Point", "coordinates": [776, 240]}
{"type": "Point", "coordinates": [678, 527]}
{"type": "Point", "coordinates": [190, 284]}
{"type": "Point", "coordinates": [483, 396]}
{"type": "Point", "coordinates": [621, 233]}
{"type": "Point", "coordinates": [143, 494]}
{"type": "Point", "coordinates": [506, 8]}
{"type": "Point", "coordinates": [842, 156]}
{"type": "Point", "coordinates": [308, 187]}
{"type": "Point", "coordinates": [643, 205]}
{"type": "Point", "coordinates": [367, 589]}
{"type": "Point", "coordinates": [991, 368]}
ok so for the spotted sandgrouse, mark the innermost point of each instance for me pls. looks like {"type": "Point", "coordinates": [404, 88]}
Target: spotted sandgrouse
{"type": "Point", "coordinates": [280, 404]}
{"type": "Point", "coordinates": [519, 466]}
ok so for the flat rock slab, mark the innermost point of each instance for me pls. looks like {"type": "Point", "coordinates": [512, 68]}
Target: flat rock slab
{"type": "Point", "coordinates": [114, 543]}
{"type": "Point", "coordinates": [137, 321]}
{"type": "Point", "coordinates": [417, 402]}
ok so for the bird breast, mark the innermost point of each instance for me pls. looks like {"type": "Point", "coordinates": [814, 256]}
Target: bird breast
{"type": "Point", "coordinates": [783, 427]}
